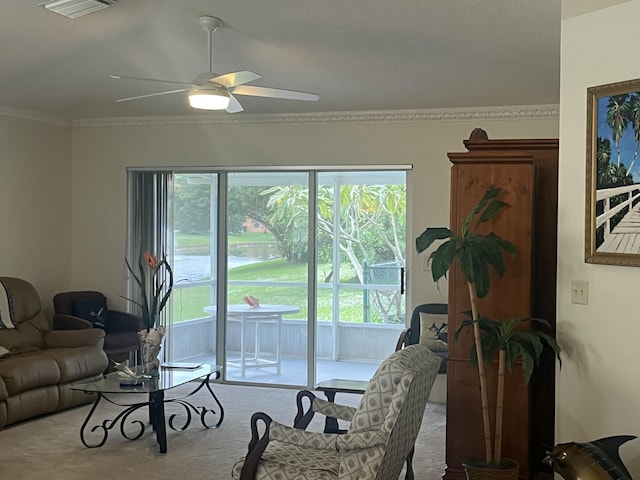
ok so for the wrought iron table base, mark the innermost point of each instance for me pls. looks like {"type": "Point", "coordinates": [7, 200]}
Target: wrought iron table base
{"type": "Point", "coordinates": [157, 419]}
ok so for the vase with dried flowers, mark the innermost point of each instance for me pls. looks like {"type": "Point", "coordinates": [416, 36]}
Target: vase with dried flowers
{"type": "Point", "coordinates": [155, 280]}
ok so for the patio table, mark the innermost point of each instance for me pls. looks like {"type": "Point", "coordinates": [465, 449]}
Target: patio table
{"type": "Point", "coordinates": [256, 317]}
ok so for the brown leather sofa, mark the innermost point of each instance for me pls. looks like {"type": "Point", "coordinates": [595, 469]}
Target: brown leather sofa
{"type": "Point", "coordinates": [38, 364]}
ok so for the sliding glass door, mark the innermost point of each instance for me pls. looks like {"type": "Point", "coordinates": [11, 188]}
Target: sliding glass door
{"type": "Point", "coordinates": [192, 328]}
{"type": "Point", "coordinates": [286, 277]}
{"type": "Point", "coordinates": [267, 277]}
{"type": "Point", "coordinates": [360, 263]}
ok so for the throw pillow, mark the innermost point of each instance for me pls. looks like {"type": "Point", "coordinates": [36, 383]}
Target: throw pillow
{"type": "Point", "coordinates": [95, 312]}
{"type": "Point", "coordinates": [4, 352]}
{"type": "Point", "coordinates": [441, 331]}
{"type": "Point", "coordinates": [429, 320]}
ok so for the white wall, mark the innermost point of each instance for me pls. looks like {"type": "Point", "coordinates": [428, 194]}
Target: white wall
{"type": "Point", "coordinates": [597, 387]}
{"type": "Point", "coordinates": [35, 203]}
{"type": "Point", "coordinates": [101, 155]}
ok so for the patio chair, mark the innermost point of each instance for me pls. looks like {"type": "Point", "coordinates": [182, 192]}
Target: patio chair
{"type": "Point", "coordinates": [88, 309]}
{"type": "Point", "coordinates": [382, 431]}
{"type": "Point", "coordinates": [430, 334]}
{"type": "Point", "coordinates": [408, 336]}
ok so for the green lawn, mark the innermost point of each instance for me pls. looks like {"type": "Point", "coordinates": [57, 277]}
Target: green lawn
{"type": "Point", "coordinates": [189, 302]}
{"type": "Point", "coordinates": [199, 244]}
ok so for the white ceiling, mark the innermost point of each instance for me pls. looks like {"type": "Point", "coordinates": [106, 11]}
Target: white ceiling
{"type": "Point", "coordinates": [358, 55]}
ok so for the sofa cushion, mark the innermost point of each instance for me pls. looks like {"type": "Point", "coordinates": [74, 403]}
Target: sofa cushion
{"type": "Point", "coordinates": [27, 371]}
{"type": "Point", "coordinates": [7, 312]}
{"type": "Point", "coordinates": [26, 337]}
{"type": "Point", "coordinates": [77, 363]}
{"type": "Point", "coordinates": [31, 403]}
{"type": "Point", "coordinates": [3, 391]}
{"type": "Point", "coordinates": [24, 299]}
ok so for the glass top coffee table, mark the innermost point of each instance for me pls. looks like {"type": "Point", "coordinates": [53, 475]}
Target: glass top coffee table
{"type": "Point", "coordinates": [150, 392]}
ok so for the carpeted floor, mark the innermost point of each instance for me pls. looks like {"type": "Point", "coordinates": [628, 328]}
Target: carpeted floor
{"type": "Point", "coordinates": [50, 448]}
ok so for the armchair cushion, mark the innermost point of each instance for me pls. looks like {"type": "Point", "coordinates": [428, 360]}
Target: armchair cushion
{"type": "Point", "coordinates": [302, 438]}
{"type": "Point", "coordinates": [94, 311]}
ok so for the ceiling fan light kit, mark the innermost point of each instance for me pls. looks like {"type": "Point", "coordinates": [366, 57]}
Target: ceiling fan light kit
{"type": "Point", "coordinates": [209, 98]}
{"type": "Point", "coordinates": [211, 91]}
{"type": "Point", "coordinates": [76, 8]}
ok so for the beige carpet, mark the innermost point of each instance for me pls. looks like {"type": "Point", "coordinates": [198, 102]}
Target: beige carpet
{"type": "Point", "coordinates": [50, 448]}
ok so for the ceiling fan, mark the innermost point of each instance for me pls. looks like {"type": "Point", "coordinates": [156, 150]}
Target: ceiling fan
{"type": "Point", "coordinates": [210, 91]}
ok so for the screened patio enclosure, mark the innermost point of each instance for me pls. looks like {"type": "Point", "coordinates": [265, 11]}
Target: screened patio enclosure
{"type": "Point", "coordinates": [326, 249]}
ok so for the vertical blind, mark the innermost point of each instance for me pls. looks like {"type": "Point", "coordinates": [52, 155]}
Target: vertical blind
{"type": "Point", "coordinates": [149, 220]}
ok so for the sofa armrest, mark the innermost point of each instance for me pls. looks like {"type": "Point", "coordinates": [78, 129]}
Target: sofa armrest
{"type": "Point", "coordinates": [123, 322]}
{"type": "Point", "coordinates": [74, 338]}
{"type": "Point", "coordinates": [69, 322]}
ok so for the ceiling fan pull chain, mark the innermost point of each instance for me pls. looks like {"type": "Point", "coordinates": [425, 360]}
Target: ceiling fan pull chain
{"type": "Point", "coordinates": [210, 50]}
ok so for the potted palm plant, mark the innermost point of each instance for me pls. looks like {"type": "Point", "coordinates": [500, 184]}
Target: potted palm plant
{"type": "Point", "coordinates": [510, 340]}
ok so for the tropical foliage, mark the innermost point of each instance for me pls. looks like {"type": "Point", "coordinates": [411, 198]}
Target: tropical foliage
{"type": "Point", "coordinates": [155, 279]}
{"type": "Point", "coordinates": [370, 229]}
{"type": "Point", "coordinates": [510, 339]}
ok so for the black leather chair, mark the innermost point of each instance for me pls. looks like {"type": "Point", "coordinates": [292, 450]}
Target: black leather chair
{"type": "Point", "coordinates": [88, 309]}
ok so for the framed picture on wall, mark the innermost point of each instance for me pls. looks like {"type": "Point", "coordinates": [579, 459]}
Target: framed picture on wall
{"type": "Point", "coordinates": [613, 174]}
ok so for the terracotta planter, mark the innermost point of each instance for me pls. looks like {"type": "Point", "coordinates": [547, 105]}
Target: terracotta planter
{"type": "Point", "coordinates": [478, 470]}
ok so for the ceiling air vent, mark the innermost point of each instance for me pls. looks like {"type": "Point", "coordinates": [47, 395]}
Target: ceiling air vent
{"type": "Point", "coordinates": [77, 8]}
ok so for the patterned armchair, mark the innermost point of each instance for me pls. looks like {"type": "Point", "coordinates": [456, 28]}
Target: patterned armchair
{"type": "Point", "coordinates": [381, 434]}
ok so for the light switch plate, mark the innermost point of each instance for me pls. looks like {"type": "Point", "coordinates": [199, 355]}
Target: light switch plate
{"type": "Point", "coordinates": [580, 292]}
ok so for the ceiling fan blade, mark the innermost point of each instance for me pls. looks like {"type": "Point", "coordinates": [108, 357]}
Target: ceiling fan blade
{"type": "Point", "coordinates": [273, 93]}
{"type": "Point", "coordinates": [152, 94]}
{"type": "Point", "coordinates": [234, 105]}
{"type": "Point", "coordinates": [235, 78]}
{"type": "Point", "coordinates": [118, 77]}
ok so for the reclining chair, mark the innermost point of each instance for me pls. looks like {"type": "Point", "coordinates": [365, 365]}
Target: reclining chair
{"type": "Point", "coordinates": [381, 434]}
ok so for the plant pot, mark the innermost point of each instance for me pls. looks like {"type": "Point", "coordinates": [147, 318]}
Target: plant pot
{"type": "Point", "coordinates": [478, 470]}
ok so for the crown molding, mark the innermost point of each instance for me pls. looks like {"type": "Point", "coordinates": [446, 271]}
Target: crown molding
{"type": "Point", "coordinates": [378, 116]}
{"type": "Point", "coordinates": [374, 116]}
{"type": "Point", "coordinates": [33, 116]}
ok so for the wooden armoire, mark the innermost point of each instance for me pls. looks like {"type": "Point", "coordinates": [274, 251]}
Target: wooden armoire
{"type": "Point", "coordinates": [527, 171]}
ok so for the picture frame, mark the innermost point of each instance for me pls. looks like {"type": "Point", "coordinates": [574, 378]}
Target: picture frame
{"type": "Point", "coordinates": [612, 224]}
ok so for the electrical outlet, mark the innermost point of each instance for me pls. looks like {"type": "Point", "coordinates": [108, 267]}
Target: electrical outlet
{"type": "Point", "coordinates": [580, 292]}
